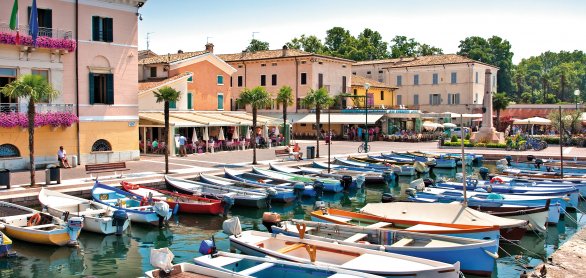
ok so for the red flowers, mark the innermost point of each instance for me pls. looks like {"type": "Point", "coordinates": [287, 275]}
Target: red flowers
{"type": "Point", "coordinates": [55, 119]}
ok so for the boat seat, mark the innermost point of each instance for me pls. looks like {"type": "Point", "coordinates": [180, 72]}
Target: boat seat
{"type": "Point", "coordinates": [441, 243]}
{"type": "Point", "coordinates": [339, 218]}
{"type": "Point", "coordinates": [91, 212]}
{"type": "Point", "coordinates": [379, 225]}
{"type": "Point", "coordinates": [403, 242]}
{"type": "Point", "coordinates": [255, 269]}
{"type": "Point", "coordinates": [41, 226]}
{"type": "Point", "coordinates": [355, 237]}
{"type": "Point", "coordinates": [290, 248]}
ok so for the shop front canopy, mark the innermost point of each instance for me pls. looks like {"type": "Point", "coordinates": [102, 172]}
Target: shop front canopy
{"type": "Point", "coordinates": [339, 118]}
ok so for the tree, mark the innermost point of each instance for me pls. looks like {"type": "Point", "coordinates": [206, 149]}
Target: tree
{"type": "Point", "coordinates": [167, 95]}
{"type": "Point", "coordinates": [369, 46]}
{"type": "Point", "coordinates": [317, 99]}
{"type": "Point", "coordinates": [308, 44]}
{"type": "Point", "coordinates": [285, 97]}
{"type": "Point", "coordinates": [257, 98]}
{"type": "Point", "coordinates": [500, 101]}
{"type": "Point", "coordinates": [339, 42]}
{"type": "Point", "coordinates": [36, 89]}
{"type": "Point", "coordinates": [427, 50]}
{"type": "Point", "coordinates": [256, 45]}
{"type": "Point", "coordinates": [571, 120]}
{"type": "Point", "coordinates": [401, 46]}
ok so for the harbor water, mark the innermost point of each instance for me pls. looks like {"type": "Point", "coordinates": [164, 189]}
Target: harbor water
{"type": "Point", "coordinates": [128, 255]}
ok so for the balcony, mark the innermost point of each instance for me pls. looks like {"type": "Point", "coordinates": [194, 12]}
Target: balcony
{"type": "Point", "coordinates": [39, 108]}
{"type": "Point", "coordinates": [50, 38]}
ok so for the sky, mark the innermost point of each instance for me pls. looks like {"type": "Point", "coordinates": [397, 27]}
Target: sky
{"type": "Point", "coordinates": [532, 27]}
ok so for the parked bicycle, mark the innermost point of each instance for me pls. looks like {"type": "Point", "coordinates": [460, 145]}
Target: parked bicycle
{"type": "Point", "coordinates": [535, 144]}
{"type": "Point", "coordinates": [363, 148]}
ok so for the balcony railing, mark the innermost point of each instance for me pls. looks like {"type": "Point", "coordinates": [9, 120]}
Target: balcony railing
{"type": "Point", "coordinates": [43, 32]}
{"type": "Point", "coordinates": [39, 108]}
{"type": "Point", "coordinates": [46, 37]}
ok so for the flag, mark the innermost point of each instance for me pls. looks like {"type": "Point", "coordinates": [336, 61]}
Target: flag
{"type": "Point", "coordinates": [14, 21]}
{"type": "Point", "coordinates": [34, 23]}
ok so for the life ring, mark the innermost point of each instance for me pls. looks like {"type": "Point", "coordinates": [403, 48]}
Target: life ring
{"type": "Point", "coordinates": [144, 202]}
{"type": "Point", "coordinates": [496, 180]}
{"type": "Point", "coordinates": [34, 220]}
{"type": "Point", "coordinates": [260, 181]}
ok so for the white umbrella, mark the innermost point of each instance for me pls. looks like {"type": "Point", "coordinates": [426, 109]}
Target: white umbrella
{"type": "Point", "coordinates": [221, 136]}
{"type": "Point", "coordinates": [533, 121]}
{"type": "Point", "coordinates": [449, 125]}
{"type": "Point", "coordinates": [265, 131]}
{"type": "Point", "coordinates": [236, 135]}
{"type": "Point", "coordinates": [206, 136]}
{"type": "Point", "coordinates": [277, 131]}
{"type": "Point", "coordinates": [429, 125]}
{"type": "Point", "coordinates": [194, 137]}
{"type": "Point", "coordinates": [248, 133]}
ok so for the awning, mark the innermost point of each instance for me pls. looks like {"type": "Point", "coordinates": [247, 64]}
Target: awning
{"type": "Point", "coordinates": [341, 118]}
{"type": "Point", "coordinates": [533, 121]}
{"type": "Point", "coordinates": [202, 118]}
{"type": "Point", "coordinates": [158, 118]}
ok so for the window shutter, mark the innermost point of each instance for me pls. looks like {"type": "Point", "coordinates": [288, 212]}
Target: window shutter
{"type": "Point", "coordinates": [449, 98]}
{"type": "Point", "coordinates": [109, 88]}
{"type": "Point", "coordinates": [95, 28]}
{"type": "Point", "coordinates": [91, 82]}
{"type": "Point", "coordinates": [430, 98]}
{"type": "Point", "coordinates": [189, 99]}
{"type": "Point", "coordinates": [457, 98]}
{"type": "Point", "coordinates": [172, 104]}
{"type": "Point", "coordinates": [48, 22]}
{"type": "Point", "coordinates": [220, 102]}
{"type": "Point", "coordinates": [109, 29]}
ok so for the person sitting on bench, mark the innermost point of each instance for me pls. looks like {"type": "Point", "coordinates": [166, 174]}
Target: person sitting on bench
{"type": "Point", "coordinates": [296, 150]}
{"type": "Point", "coordinates": [62, 157]}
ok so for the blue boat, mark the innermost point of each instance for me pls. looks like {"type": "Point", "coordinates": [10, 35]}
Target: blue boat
{"type": "Point", "coordinates": [330, 185]}
{"type": "Point", "coordinates": [476, 256]}
{"type": "Point", "coordinates": [135, 206]}
{"type": "Point", "coordinates": [5, 246]}
{"type": "Point", "coordinates": [316, 176]}
{"type": "Point", "coordinates": [542, 165]}
{"type": "Point", "coordinates": [261, 180]}
{"type": "Point", "coordinates": [440, 161]}
{"type": "Point", "coordinates": [400, 170]}
{"type": "Point", "coordinates": [283, 195]}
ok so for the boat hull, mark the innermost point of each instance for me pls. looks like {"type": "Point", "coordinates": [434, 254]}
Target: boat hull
{"type": "Point", "coordinates": [58, 237]}
{"type": "Point", "coordinates": [239, 200]}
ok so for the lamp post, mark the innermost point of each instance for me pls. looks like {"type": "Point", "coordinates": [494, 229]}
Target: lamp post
{"type": "Point", "coordinates": [329, 134]}
{"type": "Point", "coordinates": [577, 94]}
{"type": "Point", "coordinates": [366, 86]}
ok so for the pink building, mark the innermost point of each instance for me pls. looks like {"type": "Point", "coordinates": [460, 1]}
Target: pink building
{"type": "Point", "coordinates": [88, 51]}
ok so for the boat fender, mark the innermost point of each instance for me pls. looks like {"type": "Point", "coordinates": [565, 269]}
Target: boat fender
{"type": "Point", "coordinates": [232, 226]}
{"type": "Point", "coordinates": [496, 180]}
{"type": "Point", "coordinates": [493, 255]}
{"type": "Point", "coordinates": [34, 220]}
{"type": "Point", "coordinates": [207, 247]}
{"type": "Point", "coordinates": [176, 209]}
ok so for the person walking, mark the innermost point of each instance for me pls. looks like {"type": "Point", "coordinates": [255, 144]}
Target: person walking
{"type": "Point", "coordinates": [182, 141]}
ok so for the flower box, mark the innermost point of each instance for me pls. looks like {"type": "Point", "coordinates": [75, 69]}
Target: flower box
{"type": "Point", "coordinates": [68, 45]}
{"type": "Point", "coordinates": [53, 119]}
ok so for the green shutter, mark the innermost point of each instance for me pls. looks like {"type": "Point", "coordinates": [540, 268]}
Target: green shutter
{"type": "Point", "coordinates": [109, 88]}
{"type": "Point", "coordinates": [172, 104]}
{"type": "Point", "coordinates": [48, 20]}
{"type": "Point", "coordinates": [95, 28]}
{"type": "Point", "coordinates": [189, 98]}
{"type": "Point", "coordinates": [220, 102]}
{"type": "Point", "coordinates": [449, 98]}
{"type": "Point", "coordinates": [108, 29]}
{"type": "Point", "coordinates": [91, 82]}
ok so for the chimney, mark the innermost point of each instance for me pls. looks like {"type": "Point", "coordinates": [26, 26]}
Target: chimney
{"type": "Point", "coordinates": [285, 48]}
{"type": "Point", "coordinates": [210, 47]}
{"type": "Point", "coordinates": [179, 51]}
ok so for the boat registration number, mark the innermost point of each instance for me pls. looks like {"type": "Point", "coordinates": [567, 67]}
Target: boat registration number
{"type": "Point", "coordinates": [104, 197]}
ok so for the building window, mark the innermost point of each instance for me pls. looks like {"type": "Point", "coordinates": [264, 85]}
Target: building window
{"type": "Point", "coordinates": [382, 95]}
{"type": "Point", "coordinates": [220, 80]}
{"type": "Point", "coordinates": [231, 80]}
{"type": "Point", "coordinates": [344, 84]}
{"type": "Point", "coordinates": [435, 99]}
{"type": "Point", "coordinates": [45, 19]}
{"type": "Point", "coordinates": [344, 66]}
{"type": "Point", "coordinates": [240, 81]}
{"type": "Point", "coordinates": [190, 78]}
{"type": "Point", "coordinates": [380, 71]}
{"type": "Point", "coordinates": [263, 80]}
{"type": "Point", "coordinates": [303, 62]}
{"type": "Point", "coordinates": [320, 80]}
{"type": "Point", "coordinates": [42, 72]}
{"type": "Point", "coordinates": [454, 77]}
{"type": "Point", "coordinates": [476, 78]}
{"type": "Point", "coordinates": [102, 29]}
{"type": "Point", "coordinates": [153, 71]}
{"type": "Point", "coordinates": [303, 78]}
{"type": "Point", "coordinates": [399, 100]}
{"type": "Point", "coordinates": [263, 65]}
{"type": "Point", "coordinates": [101, 145]}
{"type": "Point", "coordinates": [415, 99]}
{"type": "Point", "coordinates": [7, 75]}
{"type": "Point", "coordinates": [274, 64]}
{"type": "Point", "coordinates": [399, 80]}
{"type": "Point", "coordinates": [416, 79]}
{"type": "Point", "coordinates": [172, 105]}
{"type": "Point", "coordinates": [9, 150]}
{"type": "Point", "coordinates": [454, 98]}
{"type": "Point", "coordinates": [189, 100]}
{"type": "Point", "coordinates": [368, 72]}
{"type": "Point", "coordinates": [355, 92]}
{"type": "Point", "coordinates": [353, 73]}
{"type": "Point", "coordinates": [220, 101]}
{"type": "Point", "coordinates": [101, 88]}
{"type": "Point", "coordinates": [434, 80]}
{"type": "Point", "coordinates": [240, 66]}
{"type": "Point", "coordinates": [274, 80]}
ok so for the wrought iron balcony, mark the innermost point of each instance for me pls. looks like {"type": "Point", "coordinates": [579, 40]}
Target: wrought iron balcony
{"type": "Point", "coordinates": [46, 37]}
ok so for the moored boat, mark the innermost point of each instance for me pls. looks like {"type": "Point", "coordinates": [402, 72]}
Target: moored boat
{"type": "Point", "coordinates": [137, 208]}
{"type": "Point", "coordinates": [187, 203]}
{"type": "Point", "coordinates": [162, 259]}
{"type": "Point", "coordinates": [5, 246]}
{"type": "Point", "coordinates": [279, 194]}
{"type": "Point", "coordinates": [401, 170]}
{"type": "Point", "coordinates": [329, 184]}
{"type": "Point", "coordinates": [97, 218]}
{"type": "Point", "coordinates": [33, 226]}
{"type": "Point", "coordinates": [252, 178]}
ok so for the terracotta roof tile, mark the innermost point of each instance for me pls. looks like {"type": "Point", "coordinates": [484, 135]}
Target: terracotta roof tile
{"type": "Point", "coordinates": [422, 61]}
{"type": "Point", "coordinates": [170, 58]}
{"type": "Point", "coordinates": [154, 83]}
{"type": "Point", "coordinates": [272, 54]}
{"type": "Point", "coordinates": [145, 54]}
{"type": "Point", "coordinates": [359, 81]}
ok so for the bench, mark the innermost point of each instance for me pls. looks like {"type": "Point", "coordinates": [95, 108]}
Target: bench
{"type": "Point", "coordinates": [285, 153]}
{"type": "Point", "coordinates": [106, 167]}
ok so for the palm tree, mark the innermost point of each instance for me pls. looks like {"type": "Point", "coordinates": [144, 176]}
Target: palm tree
{"type": "Point", "coordinates": [500, 101]}
{"type": "Point", "coordinates": [285, 97]}
{"type": "Point", "coordinates": [317, 99]}
{"type": "Point", "coordinates": [36, 89]}
{"type": "Point", "coordinates": [166, 95]}
{"type": "Point", "coordinates": [257, 98]}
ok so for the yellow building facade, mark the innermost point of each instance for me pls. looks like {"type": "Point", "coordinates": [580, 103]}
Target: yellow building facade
{"type": "Point", "coordinates": [380, 95]}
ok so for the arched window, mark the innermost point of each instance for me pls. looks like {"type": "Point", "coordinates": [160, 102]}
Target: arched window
{"type": "Point", "coordinates": [101, 146]}
{"type": "Point", "coordinates": [9, 150]}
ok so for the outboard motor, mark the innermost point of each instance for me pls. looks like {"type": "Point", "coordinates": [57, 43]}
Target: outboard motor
{"type": "Point", "coordinates": [459, 177]}
{"type": "Point", "coordinates": [417, 184]}
{"type": "Point", "coordinates": [162, 259]}
{"type": "Point", "coordinates": [162, 210]}
{"type": "Point", "coordinates": [429, 182]}
{"type": "Point", "coordinates": [319, 205]}
{"type": "Point", "coordinates": [509, 159]}
{"type": "Point", "coordinates": [74, 225]}
{"type": "Point", "coordinates": [411, 192]}
{"type": "Point", "coordinates": [530, 157]}
{"type": "Point", "coordinates": [119, 218]}
{"type": "Point", "coordinates": [270, 219]}
{"type": "Point", "coordinates": [318, 186]}
{"type": "Point", "coordinates": [389, 177]}
{"type": "Point", "coordinates": [483, 171]}
{"type": "Point", "coordinates": [228, 202]}
{"type": "Point", "coordinates": [346, 182]}
{"type": "Point", "coordinates": [271, 193]}
{"type": "Point", "coordinates": [299, 187]}
{"type": "Point", "coordinates": [232, 226]}
{"type": "Point", "coordinates": [538, 163]}
{"type": "Point", "coordinates": [207, 247]}
{"type": "Point", "coordinates": [360, 180]}
{"type": "Point", "coordinates": [387, 198]}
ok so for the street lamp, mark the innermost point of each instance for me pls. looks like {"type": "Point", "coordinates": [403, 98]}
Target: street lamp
{"type": "Point", "coordinates": [366, 87]}
{"type": "Point", "coordinates": [577, 94]}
